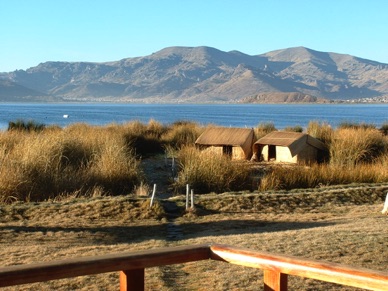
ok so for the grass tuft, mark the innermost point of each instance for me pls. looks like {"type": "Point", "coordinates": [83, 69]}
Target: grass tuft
{"type": "Point", "coordinates": [320, 131]}
{"type": "Point", "coordinates": [206, 172]}
{"type": "Point", "coordinates": [352, 146]}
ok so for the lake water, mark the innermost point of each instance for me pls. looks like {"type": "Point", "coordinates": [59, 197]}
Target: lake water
{"type": "Point", "coordinates": [241, 115]}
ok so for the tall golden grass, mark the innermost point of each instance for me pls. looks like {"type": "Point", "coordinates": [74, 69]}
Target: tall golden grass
{"type": "Point", "coordinates": [52, 162]}
{"type": "Point", "coordinates": [351, 146]}
{"type": "Point", "coordinates": [206, 172]}
{"type": "Point", "coordinates": [290, 177]}
{"type": "Point", "coordinates": [40, 165]}
{"type": "Point", "coordinates": [182, 133]}
{"type": "Point", "coordinates": [321, 131]}
{"type": "Point", "coordinates": [47, 162]}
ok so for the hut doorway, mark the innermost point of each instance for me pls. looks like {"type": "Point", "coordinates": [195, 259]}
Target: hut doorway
{"type": "Point", "coordinates": [227, 151]}
{"type": "Point", "coordinates": [271, 152]}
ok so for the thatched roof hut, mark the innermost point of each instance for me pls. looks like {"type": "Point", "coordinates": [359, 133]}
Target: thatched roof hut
{"type": "Point", "coordinates": [292, 147]}
{"type": "Point", "coordinates": [234, 142]}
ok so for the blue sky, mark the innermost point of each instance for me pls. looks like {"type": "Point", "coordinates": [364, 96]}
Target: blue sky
{"type": "Point", "coordinates": [35, 31]}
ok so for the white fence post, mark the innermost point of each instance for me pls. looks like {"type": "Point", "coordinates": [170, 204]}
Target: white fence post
{"type": "Point", "coordinates": [385, 208]}
{"type": "Point", "coordinates": [153, 195]}
{"type": "Point", "coordinates": [192, 198]}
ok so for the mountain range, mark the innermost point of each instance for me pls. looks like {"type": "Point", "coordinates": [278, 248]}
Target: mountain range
{"type": "Point", "coordinates": [202, 74]}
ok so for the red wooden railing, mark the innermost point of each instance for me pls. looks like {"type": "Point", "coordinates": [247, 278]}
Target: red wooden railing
{"type": "Point", "coordinates": [132, 267]}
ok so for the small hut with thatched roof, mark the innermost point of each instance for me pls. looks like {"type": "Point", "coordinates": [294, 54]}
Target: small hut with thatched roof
{"type": "Point", "coordinates": [291, 147]}
{"type": "Point", "coordinates": [233, 142]}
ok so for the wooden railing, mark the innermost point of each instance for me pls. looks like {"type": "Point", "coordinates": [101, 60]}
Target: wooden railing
{"type": "Point", "coordinates": [132, 267]}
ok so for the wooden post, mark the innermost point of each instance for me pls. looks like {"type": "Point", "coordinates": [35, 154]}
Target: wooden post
{"type": "Point", "coordinates": [192, 198]}
{"type": "Point", "coordinates": [153, 195]}
{"type": "Point", "coordinates": [275, 281]}
{"type": "Point", "coordinates": [132, 280]}
{"type": "Point", "coordinates": [187, 195]}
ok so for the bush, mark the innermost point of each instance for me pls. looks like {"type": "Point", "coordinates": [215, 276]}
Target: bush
{"type": "Point", "coordinates": [263, 129]}
{"type": "Point", "coordinates": [296, 128]}
{"type": "Point", "coordinates": [206, 172]}
{"type": "Point", "coordinates": [28, 126]}
{"type": "Point", "coordinates": [384, 128]}
{"type": "Point", "coordinates": [144, 139]}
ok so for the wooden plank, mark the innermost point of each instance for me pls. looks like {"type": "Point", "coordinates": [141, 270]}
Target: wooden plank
{"type": "Point", "coordinates": [324, 271]}
{"type": "Point", "coordinates": [275, 281]}
{"type": "Point", "coordinates": [132, 280]}
{"type": "Point", "coordinates": [40, 272]}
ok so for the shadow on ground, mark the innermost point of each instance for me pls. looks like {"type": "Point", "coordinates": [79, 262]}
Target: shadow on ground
{"type": "Point", "coordinates": [136, 233]}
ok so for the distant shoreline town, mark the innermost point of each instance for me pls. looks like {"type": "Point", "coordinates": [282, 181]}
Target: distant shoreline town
{"type": "Point", "coordinates": [380, 99]}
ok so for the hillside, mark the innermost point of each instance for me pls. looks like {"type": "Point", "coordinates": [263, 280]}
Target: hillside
{"type": "Point", "coordinates": [202, 74]}
{"type": "Point", "coordinates": [282, 97]}
{"type": "Point", "coordinates": [12, 92]}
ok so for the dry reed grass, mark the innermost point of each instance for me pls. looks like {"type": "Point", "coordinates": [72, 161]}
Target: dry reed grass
{"type": "Point", "coordinates": [38, 166]}
{"type": "Point", "coordinates": [320, 131]}
{"type": "Point", "coordinates": [351, 146]}
{"type": "Point", "coordinates": [57, 162]}
{"type": "Point", "coordinates": [290, 177]}
{"type": "Point", "coordinates": [182, 134]}
{"type": "Point", "coordinates": [206, 172]}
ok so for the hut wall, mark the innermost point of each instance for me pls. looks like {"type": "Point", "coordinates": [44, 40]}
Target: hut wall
{"type": "Point", "coordinates": [247, 148]}
{"type": "Point", "coordinates": [308, 154]}
{"type": "Point", "coordinates": [238, 153]}
{"type": "Point", "coordinates": [264, 153]}
{"type": "Point", "coordinates": [214, 150]}
{"type": "Point", "coordinates": [283, 154]}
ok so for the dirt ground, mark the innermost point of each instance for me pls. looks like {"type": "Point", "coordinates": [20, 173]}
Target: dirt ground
{"type": "Point", "coordinates": [341, 224]}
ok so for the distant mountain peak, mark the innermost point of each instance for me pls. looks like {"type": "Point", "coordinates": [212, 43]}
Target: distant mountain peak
{"type": "Point", "coordinates": [183, 50]}
{"type": "Point", "coordinates": [295, 54]}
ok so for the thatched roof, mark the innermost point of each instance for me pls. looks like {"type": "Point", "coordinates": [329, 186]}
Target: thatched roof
{"type": "Point", "coordinates": [295, 141]}
{"type": "Point", "coordinates": [218, 136]}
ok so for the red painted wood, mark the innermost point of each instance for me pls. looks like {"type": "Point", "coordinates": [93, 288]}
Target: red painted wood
{"type": "Point", "coordinates": [276, 267]}
{"type": "Point", "coordinates": [324, 271]}
{"type": "Point", "coordinates": [275, 281]}
{"type": "Point", "coordinates": [132, 280]}
{"type": "Point", "coordinates": [22, 274]}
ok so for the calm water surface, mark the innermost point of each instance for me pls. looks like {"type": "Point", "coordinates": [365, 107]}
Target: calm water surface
{"type": "Point", "coordinates": [241, 115]}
